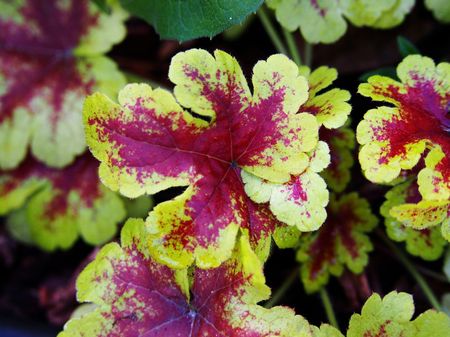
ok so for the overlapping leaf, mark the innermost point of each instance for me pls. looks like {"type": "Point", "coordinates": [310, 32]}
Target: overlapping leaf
{"type": "Point", "coordinates": [60, 204]}
{"type": "Point", "coordinates": [308, 189]}
{"type": "Point", "coordinates": [136, 296]}
{"type": "Point", "coordinates": [323, 21]}
{"type": "Point", "coordinates": [331, 108]}
{"type": "Point", "coordinates": [425, 238]}
{"type": "Point", "coordinates": [148, 143]}
{"type": "Point", "coordinates": [396, 138]}
{"type": "Point", "coordinates": [342, 242]}
{"type": "Point", "coordinates": [391, 315]}
{"type": "Point", "coordinates": [50, 58]}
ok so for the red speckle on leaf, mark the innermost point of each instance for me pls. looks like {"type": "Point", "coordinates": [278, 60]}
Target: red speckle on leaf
{"type": "Point", "coordinates": [321, 11]}
{"type": "Point", "coordinates": [381, 331]}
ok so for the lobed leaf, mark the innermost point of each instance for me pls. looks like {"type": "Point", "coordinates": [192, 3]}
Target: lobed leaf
{"type": "Point", "coordinates": [424, 239]}
{"type": "Point", "coordinates": [61, 60]}
{"type": "Point", "coordinates": [391, 315]}
{"type": "Point", "coordinates": [323, 21]}
{"type": "Point", "coordinates": [59, 205]}
{"type": "Point", "coordinates": [149, 142]}
{"type": "Point", "coordinates": [319, 21]}
{"type": "Point", "coordinates": [135, 296]}
{"type": "Point", "coordinates": [396, 138]}
{"type": "Point", "coordinates": [342, 242]}
{"type": "Point", "coordinates": [191, 19]}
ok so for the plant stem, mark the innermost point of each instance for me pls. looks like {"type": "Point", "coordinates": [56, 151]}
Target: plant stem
{"type": "Point", "coordinates": [281, 291]}
{"type": "Point", "coordinates": [412, 270]}
{"type": "Point", "coordinates": [328, 308]}
{"type": "Point", "coordinates": [308, 54]}
{"type": "Point", "coordinates": [270, 29]}
{"type": "Point", "coordinates": [293, 49]}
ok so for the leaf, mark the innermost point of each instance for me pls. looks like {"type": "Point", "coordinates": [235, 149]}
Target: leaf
{"type": "Point", "coordinates": [323, 21]}
{"type": "Point", "coordinates": [395, 138]}
{"type": "Point", "coordinates": [342, 242]}
{"type": "Point", "coordinates": [424, 239]}
{"type": "Point", "coordinates": [341, 142]}
{"type": "Point", "coordinates": [191, 19]}
{"type": "Point", "coordinates": [319, 21]}
{"type": "Point", "coordinates": [60, 204]}
{"type": "Point", "coordinates": [440, 9]}
{"type": "Point", "coordinates": [406, 47]}
{"type": "Point", "coordinates": [381, 14]}
{"type": "Point", "coordinates": [330, 107]}
{"type": "Point", "coordinates": [136, 296]}
{"type": "Point", "coordinates": [391, 315]}
{"type": "Point", "coordinates": [61, 60]}
{"type": "Point", "coordinates": [149, 143]}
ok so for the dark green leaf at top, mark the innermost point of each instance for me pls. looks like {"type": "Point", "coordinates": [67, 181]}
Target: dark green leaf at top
{"type": "Point", "coordinates": [189, 19]}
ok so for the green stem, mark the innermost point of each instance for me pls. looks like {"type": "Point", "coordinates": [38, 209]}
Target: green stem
{"type": "Point", "coordinates": [328, 308]}
{"type": "Point", "coordinates": [270, 29]}
{"type": "Point", "coordinates": [308, 54]}
{"type": "Point", "coordinates": [413, 271]}
{"type": "Point", "coordinates": [278, 295]}
{"type": "Point", "coordinates": [293, 49]}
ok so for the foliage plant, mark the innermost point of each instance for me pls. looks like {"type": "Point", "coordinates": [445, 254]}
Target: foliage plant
{"type": "Point", "coordinates": [252, 163]}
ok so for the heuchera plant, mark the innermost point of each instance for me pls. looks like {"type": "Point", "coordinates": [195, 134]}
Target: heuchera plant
{"type": "Point", "coordinates": [244, 163]}
{"type": "Point", "coordinates": [148, 143]}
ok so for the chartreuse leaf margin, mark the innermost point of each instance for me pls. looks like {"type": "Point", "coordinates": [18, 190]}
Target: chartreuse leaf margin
{"type": "Point", "coordinates": [47, 70]}
{"type": "Point", "coordinates": [135, 295]}
{"type": "Point", "coordinates": [149, 142]}
{"type": "Point", "coordinates": [395, 138]}
{"type": "Point", "coordinates": [427, 243]}
{"type": "Point", "coordinates": [191, 19]}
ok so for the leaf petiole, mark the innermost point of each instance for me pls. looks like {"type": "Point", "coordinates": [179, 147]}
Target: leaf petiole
{"type": "Point", "coordinates": [270, 29]}
{"type": "Point", "coordinates": [328, 308]}
{"type": "Point", "coordinates": [293, 48]}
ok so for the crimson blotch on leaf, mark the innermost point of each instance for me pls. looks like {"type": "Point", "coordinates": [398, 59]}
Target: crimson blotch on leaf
{"type": "Point", "coordinates": [133, 295]}
{"type": "Point", "coordinates": [396, 138]}
{"type": "Point", "coordinates": [51, 56]}
{"type": "Point", "coordinates": [148, 143]}
{"type": "Point", "coordinates": [342, 242]}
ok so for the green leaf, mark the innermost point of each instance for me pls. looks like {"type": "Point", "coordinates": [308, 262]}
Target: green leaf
{"type": "Point", "coordinates": [391, 317]}
{"type": "Point", "coordinates": [440, 9]}
{"type": "Point", "coordinates": [190, 19]}
{"type": "Point", "coordinates": [406, 47]}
